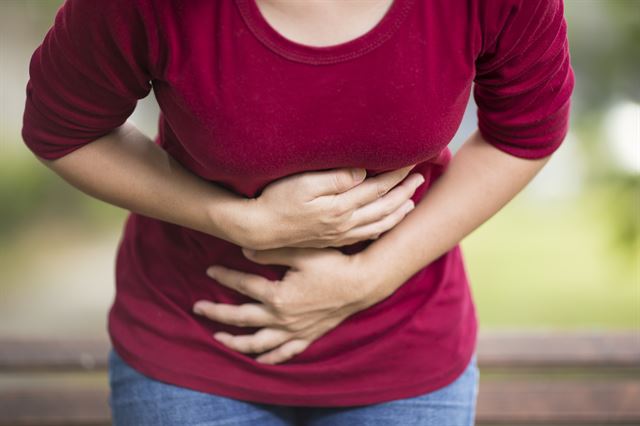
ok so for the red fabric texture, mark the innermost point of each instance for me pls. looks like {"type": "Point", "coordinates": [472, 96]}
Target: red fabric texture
{"type": "Point", "coordinates": [243, 106]}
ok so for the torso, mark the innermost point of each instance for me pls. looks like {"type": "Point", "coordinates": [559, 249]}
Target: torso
{"type": "Point", "coordinates": [390, 97]}
{"type": "Point", "coordinates": [242, 106]}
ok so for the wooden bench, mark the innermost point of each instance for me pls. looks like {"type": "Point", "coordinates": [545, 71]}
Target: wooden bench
{"type": "Point", "coordinates": [526, 379]}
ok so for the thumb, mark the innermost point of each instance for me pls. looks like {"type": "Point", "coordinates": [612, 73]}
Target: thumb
{"type": "Point", "coordinates": [337, 181]}
{"type": "Point", "coordinates": [291, 256]}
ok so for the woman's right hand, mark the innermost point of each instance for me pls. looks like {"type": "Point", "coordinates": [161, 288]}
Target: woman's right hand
{"type": "Point", "coordinates": [331, 208]}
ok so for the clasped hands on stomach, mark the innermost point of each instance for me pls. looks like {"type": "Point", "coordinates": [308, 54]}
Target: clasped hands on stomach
{"type": "Point", "coordinates": [296, 221]}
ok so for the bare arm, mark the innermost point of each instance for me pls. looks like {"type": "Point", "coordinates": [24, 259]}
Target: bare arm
{"type": "Point", "coordinates": [127, 169]}
{"type": "Point", "coordinates": [479, 181]}
{"type": "Point", "coordinates": [327, 208]}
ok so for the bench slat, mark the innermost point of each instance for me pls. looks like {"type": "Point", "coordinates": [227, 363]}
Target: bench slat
{"type": "Point", "coordinates": [560, 349]}
{"type": "Point", "coordinates": [73, 406]}
{"type": "Point", "coordinates": [572, 402]}
{"type": "Point", "coordinates": [543, 349]}
{"type": "Point", "coordinates": [38, 354]}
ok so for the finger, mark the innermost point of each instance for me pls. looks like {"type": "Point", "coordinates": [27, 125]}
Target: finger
{"type": "Point", "coordinates": [284, 352]}
{"type": "Point", "coordinates": [370, 189]}
{"type": "Point", "coordinates": [372, 230]}
{"type": "Point", "coordinates": [329, 182]}
{"type": "Point", "coordinates": [252, 285]}
{"type": "Point", "coordinates": [291, 256]}
{"type": "Point", "coordinates": [245, 315]}
{"type": "Point", "coordinates": [389, 203]}
{"type": "Point", "coordinates": [263, 340]}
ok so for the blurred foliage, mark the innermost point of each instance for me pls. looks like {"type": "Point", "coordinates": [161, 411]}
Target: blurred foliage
{"type": "Point", "coordinates": [30, 192]}
{"type": "Point", "coordinates": [604, 36]}
{"type": "Point", "coordinates": [535, 265]}
{"type": "Point", "coordinates": [623, 198]}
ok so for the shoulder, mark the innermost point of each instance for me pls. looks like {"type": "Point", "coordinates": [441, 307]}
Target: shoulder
{"type": "Point", "coordinates": [96, 16]}
{"type": "Point", "coordinates": [100, 10]}
{"type": "Point", "coordinates": [499, 19]}
{"type": "Point", "coordinates": [116, 28]}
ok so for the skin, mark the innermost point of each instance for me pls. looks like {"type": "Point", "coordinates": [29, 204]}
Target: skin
{"type": "Point", "coordinates": [322, 22]}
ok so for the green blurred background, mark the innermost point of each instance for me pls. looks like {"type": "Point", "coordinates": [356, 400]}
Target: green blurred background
{"type": "Point", "coordinates": [563, 254]}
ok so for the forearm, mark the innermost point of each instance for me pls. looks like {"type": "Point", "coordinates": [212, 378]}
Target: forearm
{"type": "Point", "coordinates": [127, 169]}
{"type": "Point", "coordinates": [478, 182]}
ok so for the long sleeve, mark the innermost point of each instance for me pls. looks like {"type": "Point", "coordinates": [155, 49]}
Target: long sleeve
{"type": "Point", "coordinates": [524, 78]}
{"type": "Point", "coordinates": [88, 73]}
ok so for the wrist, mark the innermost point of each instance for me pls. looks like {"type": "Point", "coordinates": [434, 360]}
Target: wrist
{"type": "Point", "coordinates": [235, 220]}
{"type": "Point", "coordinates": [255, 227]}
{"type": "Point", "coordinates": [372, 284]}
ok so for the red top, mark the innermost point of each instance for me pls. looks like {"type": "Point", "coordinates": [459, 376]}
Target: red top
{"type": "Point", "coordinates": [243, 106]}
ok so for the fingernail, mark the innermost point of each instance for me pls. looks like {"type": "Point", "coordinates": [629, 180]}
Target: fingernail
{"type": "Point", "coordinates": [248, 252]}
{"type": "Point", "coordinates": [211, 271]}
{"type": "Point", "coordinates": [197, 309]}
{"type": "Point", "coordinates": [420, 180]}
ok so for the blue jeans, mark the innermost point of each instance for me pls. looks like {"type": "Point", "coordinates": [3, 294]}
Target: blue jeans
{"type": "Point", "coordinates": [138, 400]}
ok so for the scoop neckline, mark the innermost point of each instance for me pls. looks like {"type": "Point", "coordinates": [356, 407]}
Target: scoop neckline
{"type": "Point", "coordinates": [299, 52]}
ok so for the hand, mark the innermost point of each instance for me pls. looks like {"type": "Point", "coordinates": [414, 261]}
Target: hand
{"type": "Point", "coordinates": [321, 289]}
{"type": "Point", "coordinates": [331, 208]}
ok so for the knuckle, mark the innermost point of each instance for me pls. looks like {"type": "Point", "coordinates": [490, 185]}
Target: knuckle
{"type": "Point", "coordinates": [337, 180]}
{"type": "Point", "coordinates": [394, 219]}
{"type": "Point", "coordinates": [397, 214]}
{"type": "Point", "coordinates": [406, 208]}
{"type": "Point", "coordinates": [338, 209]}
{"type": "Point", "coordinates": [296, 327]}
{"type": "Point", "coordinates": [291, 323]}
{"type": "Point", "coordinates": [276, 299]}
{"type": "Point", "coordinates": [409, 189]}
{"type": "Point", "coordinates": [286, 320]}
{"type": "Point", "coordinates": [257, 346]}
{"type": "Point", "coordinates": [287, 352]}
{"type": "Point", "coordinates": [300, 346]}
{"type": "Point", "coordinates": [382, 227]}
{"type": "Point", "coordinates": [241, 320]}
{"type": "Point", "coordinates": [326, 211]}
{"type": "Point", "coordinates": [389, 209]}
{"type": "Point", "coordinates": [242, 283]}
{"type": "Point", "coordinates": [331, 232]}
{"type": "Point", "coordinates": [342, 227]}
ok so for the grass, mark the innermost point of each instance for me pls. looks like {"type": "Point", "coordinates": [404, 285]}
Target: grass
{"type": "Point", "coordinates": [540, 265]}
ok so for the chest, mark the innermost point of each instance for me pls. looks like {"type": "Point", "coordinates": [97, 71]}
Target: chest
{"type": "Point", "coordinates": [242, 112]}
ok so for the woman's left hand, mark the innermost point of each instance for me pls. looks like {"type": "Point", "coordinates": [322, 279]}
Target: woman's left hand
{"type": "Point", "coordinates": [322, 287]}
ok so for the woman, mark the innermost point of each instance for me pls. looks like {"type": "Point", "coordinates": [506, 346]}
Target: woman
{"type": "Point", "coordinates": [348, 310]}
